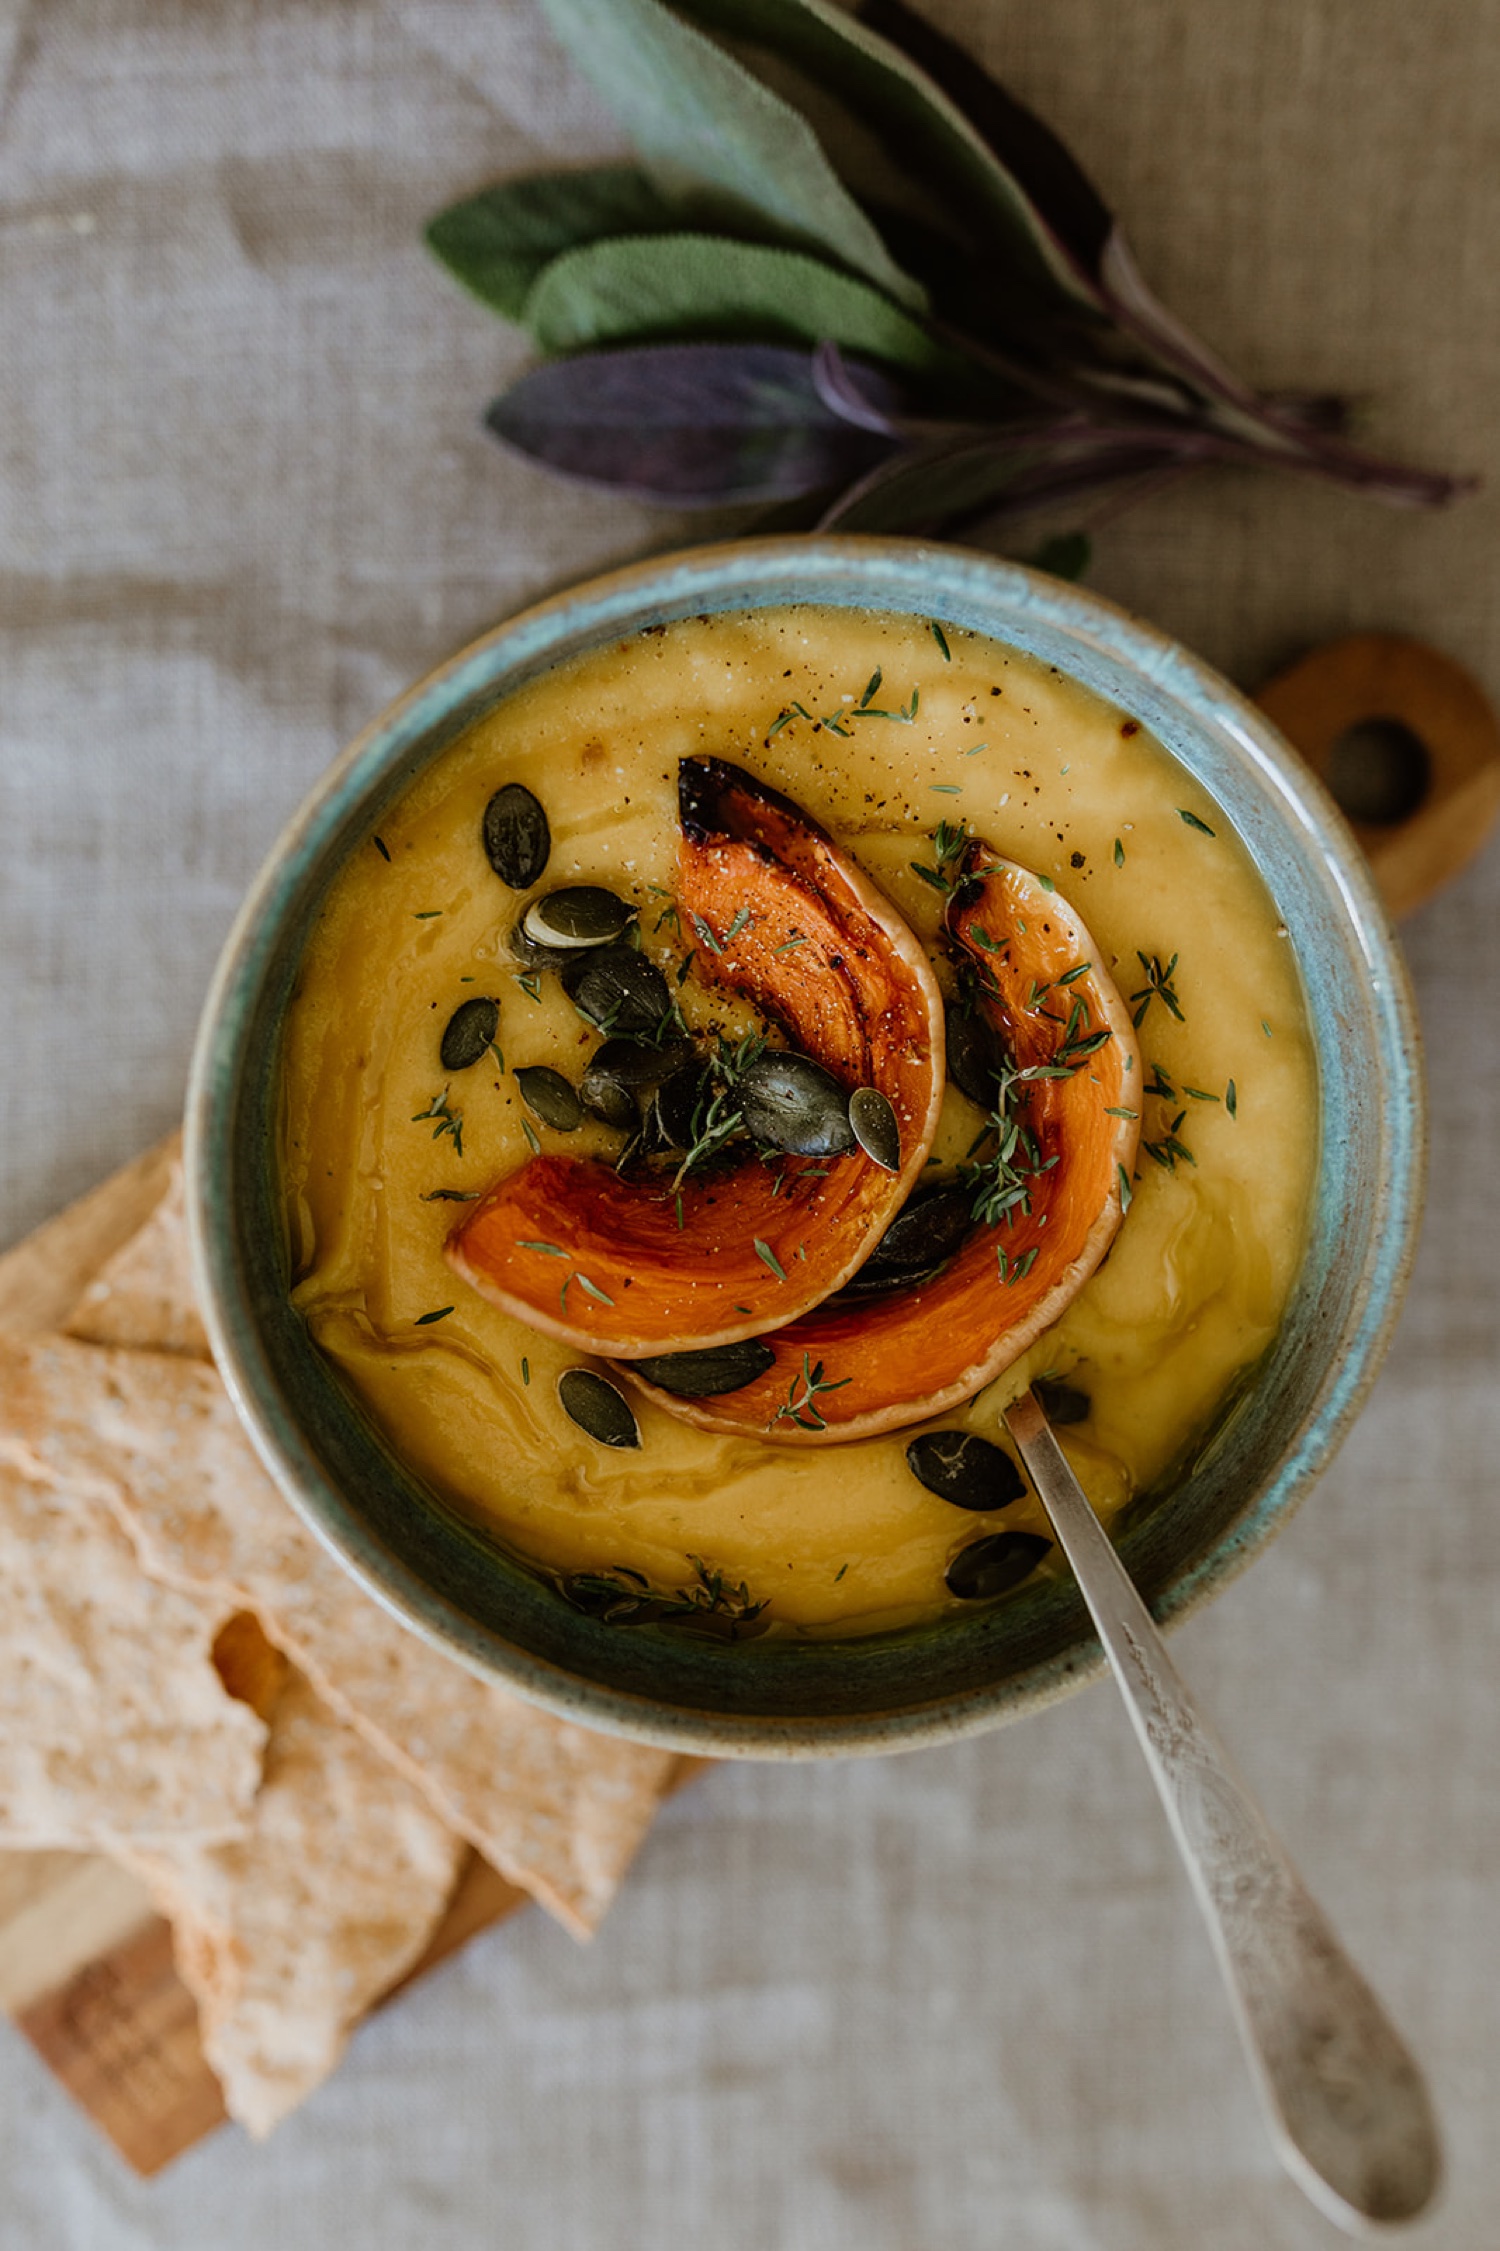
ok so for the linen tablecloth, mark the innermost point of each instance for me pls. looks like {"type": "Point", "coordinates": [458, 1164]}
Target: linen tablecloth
{"type": "Point", "coordinates": [955, 1999]}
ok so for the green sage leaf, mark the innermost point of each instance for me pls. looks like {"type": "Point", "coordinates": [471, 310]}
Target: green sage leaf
{"type": "Point", "coordinates": [498, 242]}
{"type": "Point", "coordinates": [928, 485]}
{"type": "Point", "coordinates": [1067, 554]}
{"type": "Point", "coordinates": [706, 285]}
{"type": "Point", "coordinates": [964, 140]}
{"type": "Point", "coordinates": [699, 118]}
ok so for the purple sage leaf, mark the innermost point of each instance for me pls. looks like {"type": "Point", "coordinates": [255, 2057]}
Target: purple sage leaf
{"type": "Point", "coordinates": [692, 425]}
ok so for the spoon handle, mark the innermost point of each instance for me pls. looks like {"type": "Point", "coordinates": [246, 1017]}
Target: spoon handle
{"type": "Point", "coordinates": [1347, 2108]}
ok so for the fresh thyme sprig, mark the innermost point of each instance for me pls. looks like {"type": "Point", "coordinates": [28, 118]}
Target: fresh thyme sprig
{"type": "Point", "coordinates": [619, 1596]}
{"type": "Point", "coordinates": [717, 1117]}
{"type": "Point", "coordinates": [1000, 1182]}
{"type": "Point", "coordinates": [714, 1123]}
{"type": "Point", "coordinates": [837, 722]}
{"type": "Point", "coordinates": [712, 1596]}
{"type": "Point", "coordinates": [670, 917]}
{"type": "Point", "coordinates": [801, 1403]}
{"type": "Point", "coordinates": [449, 1120]}
{"type": "Point", "coordinates": [1158, 986]}
{"type": "Point", "coordinates": [950, 841]}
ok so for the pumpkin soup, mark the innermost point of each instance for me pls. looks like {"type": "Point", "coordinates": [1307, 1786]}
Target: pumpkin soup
{"type": "Point", "coordinates": [635, 1190]}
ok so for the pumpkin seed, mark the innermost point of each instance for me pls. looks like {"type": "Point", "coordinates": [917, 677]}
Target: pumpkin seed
{"type": "Point", "coordinates": [709, 1373]}
{"type": "Point", "coordinates": [929, 1228]}
{"type": "Point", "coordinates": [606, 1099]}
{"type": "Point", "coordinates": [874, 1126]}
{"type": "Point", "coordinates": [884, 1281]}
{"type": "Point", "coordinates": [976, 1056]}
{"type": "Point", "coordinates": [961, 1467]}
{"type": "Point", "coordinates": [621, 1073]}
{"type": "Point", "coordinates": [994, 1565]}
{"type": "Point", "coordinates": [790, 1102]}
{"type": "Point", "coordinates": [517, 840]}
{"type": "Point", "coordinates": [547, 1094]}
{"type": "Point", "coordinates": [617, 988]}
{"type": "Point", "coordinates": [924, 1235]}
{"type": "Point", "coordinates": [468, 1033]}
{"type": "Point", "coordinates": [675, 1109]}
{"type": "Point", "coordinates": [597, 1407]}
{"type": "Point", "coordinates": [1062, 1402]}
{"type": "Point", "coordinates": [582, 915]}
{"type": "Point", "coordinates": [534, 956]}
{"type": "Point", "coordinates": [599, 1595]}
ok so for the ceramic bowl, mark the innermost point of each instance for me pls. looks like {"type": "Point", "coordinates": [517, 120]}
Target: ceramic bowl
{"type": "Point", "coordinates": [769, 1698]}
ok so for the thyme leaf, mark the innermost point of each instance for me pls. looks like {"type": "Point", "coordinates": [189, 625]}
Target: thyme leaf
{"type": "Point", "coordinates": [801, 1403]}
{"type": "Point", "coordinates": [449, 1121]}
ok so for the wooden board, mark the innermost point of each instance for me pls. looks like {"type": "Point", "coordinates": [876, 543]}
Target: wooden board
{"type": "Point", "coordinates": [86, 1970]}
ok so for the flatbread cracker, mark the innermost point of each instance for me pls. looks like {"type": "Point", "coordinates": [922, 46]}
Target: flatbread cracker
{"type": "Point", "coordinates": [143, 1295]}
{"type": "Point", "coordinates": [288, 1937]}
{"type": "Point", "coordinates": [42, 1275]}
{"type": "Point", "coordinates": [114, 1725]}
{"type": "Point", "coordinates": [556, 1808]}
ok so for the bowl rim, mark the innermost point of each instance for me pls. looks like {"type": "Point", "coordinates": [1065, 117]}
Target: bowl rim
{"type": "Point", "coordinates": [447, 686]}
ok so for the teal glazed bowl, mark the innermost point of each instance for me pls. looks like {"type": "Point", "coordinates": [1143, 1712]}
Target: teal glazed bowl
{"type": "Point", "coordinates": [771, 1698]}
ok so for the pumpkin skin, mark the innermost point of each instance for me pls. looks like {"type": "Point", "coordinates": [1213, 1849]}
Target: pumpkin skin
{"type": "Point", "coordinates": [923, 1350]}
{"type": "Point", "coordinates": [857, 994]}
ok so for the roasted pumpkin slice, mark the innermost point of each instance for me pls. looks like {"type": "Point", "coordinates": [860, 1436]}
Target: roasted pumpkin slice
{"type": "Point", "coordinates": [1048, 1196]}
{"type": "Point", "coordinates": [630, 1267]}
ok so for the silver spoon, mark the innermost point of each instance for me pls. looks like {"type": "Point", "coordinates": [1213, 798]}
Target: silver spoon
{"type": "Point", "coordinates": [1345, 2102]}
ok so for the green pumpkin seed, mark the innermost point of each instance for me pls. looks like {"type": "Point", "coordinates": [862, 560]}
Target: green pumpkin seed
{"type": "Point", "coordinates": [928, 1229]}
{"type": "Point", "coordinates": [617, 989]}
{"type": "Point", "coordinates": [597, 1407]}
{"type": "Point", "coordinates": [607, 1100]}
{"type": "Point", "coordinates": [547, 1094]}
{"type": "Point", "coordinates": [882, 1282]}
{"type": "Point", "coordinates": [468, 1033]}
{"type": "Point", "coordinates": [582, 915]}
{"type": "Point", "coordinates": [925, 1234]}
{"type": "Point", "coordinates": [873, 1123]}
{"type": "Point", "coordinates": [710, 1373]}
{"type": "Point", "coordinates": [1062, 1402]}
{"type": "Point", "coordinates": [790, 1102]}
{"type": "Point", "coordinates": [992, 1566]}
{"type": "Point", "coordinates": [676, 1110]}
{"type": "Point", "coordinates": [965, 1469]}
{"type": "Point", "coordinates": [621, 1073]}
{"type": "Point", "coordinates": [618, 1598]}
{"type": "Point", "coordinates": [536, 957]}
{"type": "Point", "coordinates": [517, 840]}
{"type": "Point", "coordinates": [976, 1055]}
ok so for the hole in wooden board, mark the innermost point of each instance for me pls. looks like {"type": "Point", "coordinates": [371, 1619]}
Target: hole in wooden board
{"type": "Point", "coordinates": [1379, 771]}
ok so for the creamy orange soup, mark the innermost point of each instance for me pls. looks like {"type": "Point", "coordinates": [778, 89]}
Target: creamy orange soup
{"type": "Point", "coordinates": [840, 1538]}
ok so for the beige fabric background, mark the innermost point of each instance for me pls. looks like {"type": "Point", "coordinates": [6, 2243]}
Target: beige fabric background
{"type": "Point", "coordinates": [953, 2000]}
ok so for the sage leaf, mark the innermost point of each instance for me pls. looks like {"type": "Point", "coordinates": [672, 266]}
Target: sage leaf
{"type": "Point", "coordinates": [696, 115]}
{"type": "Point", "coordinates": [919, 489]}
{"type": "Point", "coordinates": [999, 478]}
{"type": "Point", "coordinates": [666, 285]}
{"type": "Point", "coordinates": [1006, 184]}
{"type": "Point", "coordinates": [691, 425]}
{"type": "Point", "coordinates": [1067, 554]}
{"type": "Point", "coordinates": [497, 242]}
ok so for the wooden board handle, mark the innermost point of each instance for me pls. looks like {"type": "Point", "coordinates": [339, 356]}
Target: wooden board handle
{"type": "Point", "coordinates": [1407, 743]}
